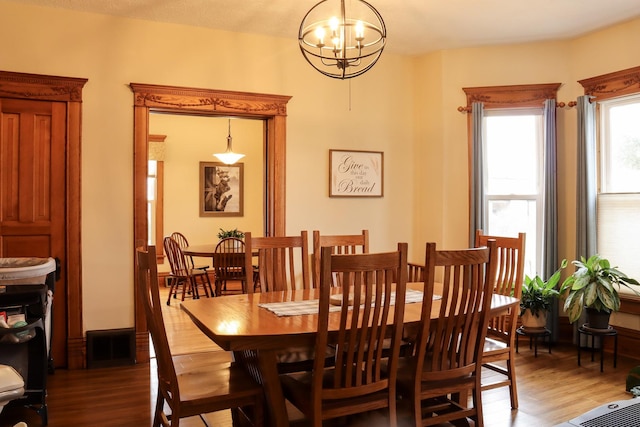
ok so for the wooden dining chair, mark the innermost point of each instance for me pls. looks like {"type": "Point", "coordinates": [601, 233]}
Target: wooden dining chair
{"type": "Point", "coordinates": [283, 265]}
{"type": "Point", "coordinates": [499, 345]}
{"type": "Point", "coordinates": [192, 384]}
{"type": "Point", "coordinates": [415, 272]}
{"type": "Point", "coordinates": [341, 244]}
{"type": "Point", "coordinates": [228, 264]}
{"type": "Point", "coordinates": [183, 242]}
{"type": "Point", "coordinates": [182, 275]}
{"type": "Point", "coordinates": [371, 309]}
{"type": "Point", "coordinates": [444, 364]}
{"type": "Point", "coordinates": [283, 261]}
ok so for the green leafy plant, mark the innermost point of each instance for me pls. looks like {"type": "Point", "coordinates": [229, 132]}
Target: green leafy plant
{"type": "Point", "coordinates": [593, 285]}
{"type": "Point", "coordinates": [230, 233]}
{"type": "Point", "coordinates": [537, 295]}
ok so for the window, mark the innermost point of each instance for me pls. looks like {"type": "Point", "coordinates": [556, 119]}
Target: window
{"type": "Point", "coordinates": [513, 158]}
{"type": "Point", "coordinates": [512, 166]}
{"type": "Point", "coordinates": [151, 200]}
{"type": "Point", "coordinates": [618, 199]}
{"type": "Point", "coordinates": [618, 196]}
{"type": "Point", "coordinates": [155, 194]}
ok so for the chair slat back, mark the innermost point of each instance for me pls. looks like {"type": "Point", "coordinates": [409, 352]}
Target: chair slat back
{"type": "Point", "coordinates": [509, 276]}
{"type": "Point", "coordinates": [178, 262]}
{"type": "Point", "coordinates": [451, 344]}
{"type": "Point", "coordinates": [376, 286]}
{"type": "Point", "coordinates": [415, 272]}
{"type": "Point", "coordinates": [283, 261]}
{"type": "Point", "coordinates": [182, 241]}
{"type": "Point", "coordinates": [228, 261]}
{"type": "Point", "coordinates": [149, 293]}
{"type": "Point", "coordinates": [340, 244]}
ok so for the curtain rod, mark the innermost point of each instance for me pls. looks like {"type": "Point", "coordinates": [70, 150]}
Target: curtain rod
{"type": "Point", "coordinates": [570, 104]}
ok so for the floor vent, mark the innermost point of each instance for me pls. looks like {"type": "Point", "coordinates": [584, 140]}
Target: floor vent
{"type": "Point", "coordinates": [623, 413]}
{"type": "Point", "coordinates": [112, 347]}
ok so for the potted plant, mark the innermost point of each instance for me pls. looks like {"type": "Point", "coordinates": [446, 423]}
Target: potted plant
{"type": "Point", "coordinates": [230, 233]}
{"type": "Point", "coordinates": [593, 286]}
{"type": "Point", "coordinates": [537, 297]}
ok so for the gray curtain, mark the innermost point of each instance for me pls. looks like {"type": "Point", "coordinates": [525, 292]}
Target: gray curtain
{"type": "Point", "coordinates": [586, 192]}
{"type": "Point", "coordinates": [550, 205]}
{"type": "Point", "coordinates": [476, 210]}
{"type": "Point", "coordinates": [550, 197]}
{"type": "Point", "coordinates": [586, 179]}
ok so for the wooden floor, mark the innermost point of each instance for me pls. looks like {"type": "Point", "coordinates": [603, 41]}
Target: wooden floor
{"type": "Point", "coordinates": [552, 388]}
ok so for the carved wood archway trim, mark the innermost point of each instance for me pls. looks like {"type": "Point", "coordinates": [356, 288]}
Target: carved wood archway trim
{"type": "Point", "coordinates": [612, 85]}
{"type": "Point", "coordinates": [157, 98]}
{"type": "Point", "coordinates": [515, 96]}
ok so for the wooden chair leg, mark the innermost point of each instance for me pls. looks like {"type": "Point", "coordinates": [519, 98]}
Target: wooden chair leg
{"type": "Point", "coordinates": [207, 285]}
{"type": "Point", "coordinates": [513, 389]}
{"type": "Point", "coordinates": [157, 418]}
{"type": "Point", "coordinates": [172, 289]}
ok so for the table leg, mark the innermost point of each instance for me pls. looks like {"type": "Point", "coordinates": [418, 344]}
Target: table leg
{"type": "Point", "coordinates": [262, 366]}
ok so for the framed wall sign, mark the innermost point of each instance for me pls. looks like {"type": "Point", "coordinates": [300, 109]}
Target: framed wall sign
{"type": "Point", "coordinates": [356, 173]}
{"type": "Point", "coordinates": [221, 189]}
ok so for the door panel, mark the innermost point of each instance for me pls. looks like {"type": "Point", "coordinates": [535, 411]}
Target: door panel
{"type": "Point", "coordinates": [32, 192]}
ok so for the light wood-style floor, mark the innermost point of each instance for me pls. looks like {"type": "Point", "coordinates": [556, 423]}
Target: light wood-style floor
{"type": "Point", "coordinates": [552, 388]}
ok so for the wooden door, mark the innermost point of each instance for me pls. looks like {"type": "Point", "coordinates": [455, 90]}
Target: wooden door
{"type": "Point", "coordinates": [32, 193]}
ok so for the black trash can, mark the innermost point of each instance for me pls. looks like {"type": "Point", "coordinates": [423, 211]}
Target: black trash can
{"type": "Point", "coordinates": [26, 300]}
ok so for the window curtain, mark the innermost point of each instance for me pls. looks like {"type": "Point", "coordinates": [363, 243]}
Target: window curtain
{"type": "Point", "coordinates": [586, 179]}
{"type": "Point", "coordinates": [550, 197]}
{"type": "Point", "coordinates": [550, 205]}
{"type": "Point", "coordinates": [585, 191]}
{"type": "Point", "coordinates": [476, 210]}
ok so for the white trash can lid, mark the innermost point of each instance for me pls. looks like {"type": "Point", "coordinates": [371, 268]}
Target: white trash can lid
{"type": "Point", "coordinates": [26, 270]}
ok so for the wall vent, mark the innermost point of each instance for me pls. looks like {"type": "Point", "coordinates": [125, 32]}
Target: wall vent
{"type": "Point", "coordinates": [111, 347]}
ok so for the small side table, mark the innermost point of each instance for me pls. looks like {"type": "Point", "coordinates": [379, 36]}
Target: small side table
{"type": "Point", "coordinates": [533, 335]}
{"type": "Point", "coordinates": [601, 334]}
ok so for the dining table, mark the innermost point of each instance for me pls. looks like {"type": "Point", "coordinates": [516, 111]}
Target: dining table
{"type": "Point", "coordinates": [208, 251]}
{"type": "Point", "coordinates": [250, 326]}
{"type": "Point", "coordinates": [205, 251]}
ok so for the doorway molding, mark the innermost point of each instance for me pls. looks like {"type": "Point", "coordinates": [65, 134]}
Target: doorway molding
{"type": "Point", "coordinates": [208, 102]}
{"type": "Point", "coordinates": [67, 90]}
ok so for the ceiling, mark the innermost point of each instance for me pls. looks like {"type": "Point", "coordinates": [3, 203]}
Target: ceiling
{"type": "Point", "coordinates": [413, 26]}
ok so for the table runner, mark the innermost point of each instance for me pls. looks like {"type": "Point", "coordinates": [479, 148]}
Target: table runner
{"type": "Point", "coordinates": [298, 308]}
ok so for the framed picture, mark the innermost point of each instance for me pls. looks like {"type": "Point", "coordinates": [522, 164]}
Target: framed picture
{"type": "Point", "coordinates": [356, 173]}
{"type": "Point", "coordinates": [221, 189]}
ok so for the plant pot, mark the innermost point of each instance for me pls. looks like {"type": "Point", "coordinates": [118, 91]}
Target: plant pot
{"type": "Point", "coordinates": [531, 322]}
{"type": "Point", "coordinates": [597, 319]}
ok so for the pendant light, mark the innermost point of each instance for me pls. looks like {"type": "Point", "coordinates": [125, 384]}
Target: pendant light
{"type": "Point", "coordinates": [229, 157]}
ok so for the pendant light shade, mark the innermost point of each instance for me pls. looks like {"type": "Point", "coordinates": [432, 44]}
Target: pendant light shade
{"type": "Point", "coordinates": [342, 41]}
{"type": "Point", "coordinates": [229, 157]}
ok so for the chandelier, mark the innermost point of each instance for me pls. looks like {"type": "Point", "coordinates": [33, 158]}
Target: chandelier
{"type": "Point", "coordinates": [229, 157]}
{"type": "Point", "coordinates": [342, 42]}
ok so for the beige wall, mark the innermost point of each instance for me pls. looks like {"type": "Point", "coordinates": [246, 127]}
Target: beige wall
{"type": "Point", "coordinates": [373, 112]}
{"type": "Point", "coordinates": [404, 106]}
